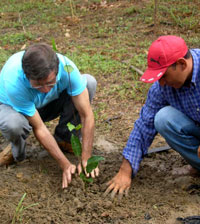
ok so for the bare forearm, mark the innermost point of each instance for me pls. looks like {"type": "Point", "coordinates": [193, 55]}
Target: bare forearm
{"type": "Point", "coordinates": [47, 140]}
{"type": "Point", "coordinates": [87, 136]}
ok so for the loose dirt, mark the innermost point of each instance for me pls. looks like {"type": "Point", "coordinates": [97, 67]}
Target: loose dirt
{"type": "Point", "coordinates": [156, 195]}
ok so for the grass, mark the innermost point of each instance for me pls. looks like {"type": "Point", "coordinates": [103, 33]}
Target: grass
{"type": "Point", "coordinates": [16, 38]}
{"type": "Point", "coordinates": [105, 42]}
{"type": "Point", "coordinates": [96, 64]}
{"type": "Point", "coordinates": [105, 45]}
{"type": "Point", "coordinates": [18, 215]}
{"type": "Point", "coordinates": [4, 55]}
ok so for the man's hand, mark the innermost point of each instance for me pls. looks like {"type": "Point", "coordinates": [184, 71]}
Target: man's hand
{"type": "Point", "coordinates": [121, 182]}
{"type": "Point", "coordinates": [94, 173]}
{"type": "Point", "coordinates": [67, 175]}
{"type": "Point", "coordinates": [49, 143]}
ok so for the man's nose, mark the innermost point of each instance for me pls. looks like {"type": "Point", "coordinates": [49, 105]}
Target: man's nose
{"type": "Point", "coordinates": [45, 89]}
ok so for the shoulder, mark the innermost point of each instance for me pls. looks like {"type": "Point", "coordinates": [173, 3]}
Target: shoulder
{"type": "Point", "coordinates": [13, 66]}
{"type": "Point", "coordinates": [15, 60]}
{"type": "Point", "coordinates": [195, 55]}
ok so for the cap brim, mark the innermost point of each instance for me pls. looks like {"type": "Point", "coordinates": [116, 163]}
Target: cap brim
{"type": "Point", "coordinates": [151, 76]}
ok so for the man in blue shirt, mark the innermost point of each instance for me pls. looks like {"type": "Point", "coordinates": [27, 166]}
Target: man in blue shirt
{"type": "Point", "coordinates": [38, 85]}
{"type": "Point", "coordinates": [172, 108]}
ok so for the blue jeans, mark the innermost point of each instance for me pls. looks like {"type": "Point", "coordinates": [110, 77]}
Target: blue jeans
{"type": "Point", "coordinates": [180, 132]}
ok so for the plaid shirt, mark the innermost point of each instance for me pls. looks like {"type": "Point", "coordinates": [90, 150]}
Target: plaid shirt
{"type": "Point", "coordinates": [185, 99]}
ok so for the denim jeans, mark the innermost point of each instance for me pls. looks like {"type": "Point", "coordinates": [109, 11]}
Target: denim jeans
{"type": "Point", "coordinates": [15, 127]}
{"type": "Point", "coordinates": [180, 132]}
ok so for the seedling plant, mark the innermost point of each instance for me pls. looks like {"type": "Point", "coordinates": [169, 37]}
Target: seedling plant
{"type": "Point", "coordinates": [18, 216]}
{"type": "Point", "coordinates": [92, 162]}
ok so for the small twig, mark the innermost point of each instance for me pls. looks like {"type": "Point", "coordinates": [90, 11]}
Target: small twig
{"type": "Point", "coordinates": [20, 20]}
{"type": "Point", "coordinates": [113, 118]}
{"type": "Point", "coordinates": [155, 16]}
{"type": "Point", "coordinates": [137, 70]}
{"type": "Point", "coordinates": [72, 8]}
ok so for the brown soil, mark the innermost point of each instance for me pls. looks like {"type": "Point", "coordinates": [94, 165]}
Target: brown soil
{"type": "Point", "coordinates": [156, 196]}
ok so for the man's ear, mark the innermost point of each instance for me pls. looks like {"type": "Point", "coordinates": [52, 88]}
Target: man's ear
{"type": "Point", "coordinates": [182, 63]}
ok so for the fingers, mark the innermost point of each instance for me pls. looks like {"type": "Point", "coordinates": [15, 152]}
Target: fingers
{"type": "Point", "coordinates": [79, 169]}
{"type": "Point", "coordinates": [114, 188]}
{"type": "Point", "coordinates": [86, 173]}
{"type": "Point", "coordinates": [64, 181]}
{"type": "Point", "coordinates": [95, 173]}
{"type": "Point", "coordinates": [73, 169]}
{"type": "Point", "coordinates": [67, 176]}
{"type": "Point", "coordinates": [108, 190]}
{"type": "Point", "coordinates": [126, 191]}
{"type": "Point", "coordinates": [123, 192]}
{"type": "Point", "coordinates": [114, 192]}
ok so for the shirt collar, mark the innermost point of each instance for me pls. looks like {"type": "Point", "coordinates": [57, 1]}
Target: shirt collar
{"type": "Point", "coordinates": [196, 65]}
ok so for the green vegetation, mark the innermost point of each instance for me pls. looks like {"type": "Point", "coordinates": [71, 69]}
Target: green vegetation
{"type": "Point", "coordinates": [103, 39]}
{"type": "Point", "coordinates": [92, 162]}
{"type": "Point", "coordinates": [18, 215]}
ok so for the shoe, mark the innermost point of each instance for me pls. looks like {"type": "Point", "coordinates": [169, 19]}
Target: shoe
{"type": "Point", "coordinates": [6, 157]}
{"type": "Point", "coordinates": [65, 146]}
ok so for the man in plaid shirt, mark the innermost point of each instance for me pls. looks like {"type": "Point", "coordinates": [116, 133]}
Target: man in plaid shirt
{"type": "Point", "coordinates": [172, 108]}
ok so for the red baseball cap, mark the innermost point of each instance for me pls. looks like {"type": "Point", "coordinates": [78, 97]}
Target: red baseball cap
{"type": "Point", "coordinates": [163, 52]}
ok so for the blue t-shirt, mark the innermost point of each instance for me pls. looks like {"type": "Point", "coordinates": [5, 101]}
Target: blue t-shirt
{"type": "Point", "coordinates": [16, 91]}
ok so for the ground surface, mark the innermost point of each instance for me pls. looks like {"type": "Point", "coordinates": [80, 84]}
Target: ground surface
{"type": "Point", "coordinates": [104, 39]}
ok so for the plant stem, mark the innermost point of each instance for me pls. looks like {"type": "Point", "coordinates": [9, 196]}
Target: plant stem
{"type": "Point", "coordinates": [71, 6]}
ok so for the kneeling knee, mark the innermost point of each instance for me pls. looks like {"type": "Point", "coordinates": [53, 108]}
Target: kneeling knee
{"type": "Point", "coordinates": [91, 82]}
{"type": "Point", "coordinates": [18, 127]}
{"type": "Point", "coordinates": [91, 85]}
{"type": "Point", "coordinates": [161, 119]}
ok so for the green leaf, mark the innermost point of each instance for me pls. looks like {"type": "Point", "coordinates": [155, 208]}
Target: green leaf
{"type": "Point", "coordinates": [86, 179]}
{"type": "Point", "coordinates": [79, 126]}
{"type": "Point", "coordinates": [93, 162]}
{"type": "Point", "coordinates": [54, 45]}
{"type": "Point", "coordinates": [68, 68]}
{"type": "Point", "coordinates": [76, 145]}
{"type": "Point", "coordinates": [20, 202]}
{"type": "Point", "coordinates": [70, 126]}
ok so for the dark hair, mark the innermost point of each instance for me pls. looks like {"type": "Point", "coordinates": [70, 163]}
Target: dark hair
{"type": "Point", "coordinates": [39, 60]}
{"type": "Point", "coordinates": [187, 55]}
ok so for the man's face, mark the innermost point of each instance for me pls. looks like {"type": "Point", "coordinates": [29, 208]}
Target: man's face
{"type": "Point", "coordinates": [44, 85]}
{"type": "Point", "coordinates": [175, 76]}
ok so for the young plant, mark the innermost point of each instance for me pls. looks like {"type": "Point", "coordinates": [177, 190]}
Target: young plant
{"type": "Point", "coordinates": [92, 162]}
{"type": "Point", "coordinates": [20, 210]}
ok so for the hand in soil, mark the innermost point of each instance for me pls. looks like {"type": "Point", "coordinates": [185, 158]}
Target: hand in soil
{"type": "Point", "coordinates": [93, 174]}
{"type": "Point", "coordinates": [119, 184]}
{"type": "Point", "coordinates": [67, 175]}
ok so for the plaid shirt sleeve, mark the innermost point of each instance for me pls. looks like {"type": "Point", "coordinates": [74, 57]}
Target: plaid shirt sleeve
{"type": "Point", "coordinates": [144, 131]}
